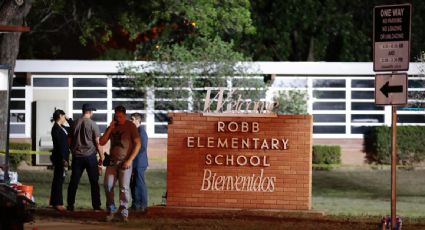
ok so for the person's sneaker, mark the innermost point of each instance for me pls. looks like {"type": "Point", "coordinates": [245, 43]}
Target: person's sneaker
{"type": "Point", "coordinates": [110, 217]}
{"type": "Point", "coordinates": [114, 217]}
{"type": "Point", "coordinates": [141, 210]}
{"type": "Point", "coordinates": [98, 210]}
{"type": "Point", "coordinates": [59, 208]}
{"type": "Point", "coordinates": [70, 208]}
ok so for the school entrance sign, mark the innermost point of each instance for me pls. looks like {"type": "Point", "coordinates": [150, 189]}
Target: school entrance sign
{"type": "Point", "coordinates": [244, 161]}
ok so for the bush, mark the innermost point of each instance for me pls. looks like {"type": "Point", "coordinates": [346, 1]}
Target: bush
{"type": "Point", "coordinates": [410, 145]}
{"type": "Point", "coordinates": [291, 102]}
{"type": "Point", "coordinates": [326, 154]}
{"type": "Point", "coordinates": [16, 158]}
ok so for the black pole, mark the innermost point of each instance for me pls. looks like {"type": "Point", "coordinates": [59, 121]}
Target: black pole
{"type": "Point", "coordinates": [7, 157]}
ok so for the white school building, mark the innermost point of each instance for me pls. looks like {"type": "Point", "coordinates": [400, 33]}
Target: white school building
{"type": "Point", "coordinates": [340, 98]}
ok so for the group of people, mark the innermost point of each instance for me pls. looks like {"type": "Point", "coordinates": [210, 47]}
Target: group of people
{"type": "Point", "coordinates": [126, 163]}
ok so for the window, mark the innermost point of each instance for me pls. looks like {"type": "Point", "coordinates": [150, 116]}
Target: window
{"type": "Point", "coordinates": [416, 83]}
{"type": "Point", "coordinates": [247, 82]}
{"type": "Point", "coordinates": [367, 118]}
{"type": "Point", "coordinates": [17, 93]}
{"type": "Point", "coordinates": [20, 79]}
{"type": "Point", "coordinates": [329, 106]}
{"type": "Point", "coordinates": [329, 94]}
{"type": "Point", "coordinates": [17, 105]}
{"type": "Point", "coordinates": [102, 128]}
{"type": "Point", "coordinates": [130, 105]}
{"type": "Point", "coordinates": [404, 118]}
{"type": "Point", "coordinates": [161, 129]}
{"type": "Point", "coordinates": [50, 82]}
{"type": "Point", "coordinates": [365, 106]}
{"type": "Point", "coordinates": [161, 117]}
{"type": "Point", "coordinates": [89, 82]}
{"type": "Point", "coordinates": [289, 83]}
{"type": "Point", "coordinates": [17, 128]}
{"type": "Point", "coordinates": [171, 105]}
{"type": "Point", "coordinates": [362, 94]}
{"type": "Point", "coordinates": [360, 129]}
{"type": "Point", "coordinates": [329, 129]}
{"type": "Point", "coordinates": [329, 117]}
{"type": "Point", "coordinates": [98, 117]}
{"type": "Point", "coordinates": [363, 83]}
{"type": "Point", "coordinates": [122, 82]}
{"type": "Point", "coordinates": [97, 104]}
{"type": "Point", "coordinates": [90, 93]}
{"type": "Point", "coordinates": [328, 83]}
{"type": "Point", "coordinates": [17, 117]}
{"type": "Point", "coordinates": [171, 94]}
{"type": "Point", "coordinates": [128, 94]}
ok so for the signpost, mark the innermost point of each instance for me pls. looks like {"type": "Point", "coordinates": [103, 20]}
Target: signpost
{"type": "Point", "coordinates": [391, 53]}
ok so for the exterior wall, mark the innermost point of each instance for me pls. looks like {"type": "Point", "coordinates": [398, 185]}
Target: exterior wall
{"type": "Point", "coordinates": [340, 96]}
{"type": "Point", "coordinates": [286, 174]}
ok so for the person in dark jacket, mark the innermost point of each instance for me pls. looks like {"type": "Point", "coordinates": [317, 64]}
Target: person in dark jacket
{"type": "Point", "coordinates": [59, 157]}
{"type": "Point", "coordinates": [139, 190]}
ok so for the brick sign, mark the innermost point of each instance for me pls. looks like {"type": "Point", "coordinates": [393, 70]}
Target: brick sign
{"type": "Point", "coordinates": [239, 161]}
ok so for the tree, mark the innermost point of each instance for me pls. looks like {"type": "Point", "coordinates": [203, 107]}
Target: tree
{"type": "Point", "coordinates": [12, 12]}
{"type": "Point", "coordinates": [326, 30]}
{"type": "Point", "coordinates": [292, 101]}
{"type": "Point", "coordinates": [195, 40]}
{"type": "Point", "coordinates": [88, 29]}
{"type": "Point", "coordinates": [310, 30]}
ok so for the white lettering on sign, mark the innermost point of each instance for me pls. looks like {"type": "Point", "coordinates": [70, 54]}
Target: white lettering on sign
{"type": "Point", "coordinates": [238, 143]}
{"type": "Point", "coordinates": [243, 127]}
{"type": "Point", "coordinates": [239, 160]}
{"type": "Point", "coordinates": [212, 182]}
{"type": "Point", "coordinates": [239, 105]}
{"type": "Point", "coordinates": [254, 183]}
{"type": "Point", "coordinates": [397, 12]}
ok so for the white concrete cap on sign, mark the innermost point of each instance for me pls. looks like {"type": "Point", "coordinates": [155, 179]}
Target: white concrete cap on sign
{"type": "Point", "coordinates": [4, 79]}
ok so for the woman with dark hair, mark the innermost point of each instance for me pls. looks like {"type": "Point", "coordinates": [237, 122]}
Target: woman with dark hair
{"type": "Point", "coordinates": [59, 157]}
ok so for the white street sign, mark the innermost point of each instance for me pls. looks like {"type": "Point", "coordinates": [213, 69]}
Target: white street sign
{"type": "Point", "coordinates": [391, 89]}
{"type": "Point", "coordinates": [391, 36]}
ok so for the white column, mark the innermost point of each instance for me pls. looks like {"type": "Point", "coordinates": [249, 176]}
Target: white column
{"type": "Point", "coordinates": [28, 112]}
{"type": "Point", "coordinates": [310, 95]}
{"type": "Point", "coordinates": [388, 115]}
{"type": "Point", "coordinates": [150, 111]}
{"type": "Point", "coordinates": [70, 96]}
{"type": "Point", "coordinates": [348, 106]}
{"type": "Point", "coordinates": [109, 99]}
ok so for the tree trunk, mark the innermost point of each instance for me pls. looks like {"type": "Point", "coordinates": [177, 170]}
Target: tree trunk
{"type": "Point", "coordinates": [11, 14]}
{"type": "Point", "coordinates": [310, 56]}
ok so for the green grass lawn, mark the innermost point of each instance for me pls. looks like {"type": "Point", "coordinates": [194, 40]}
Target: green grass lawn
{"type": "Point", "coordinates": [368, 192]}
{"type": "Point", "coordinates": [41, 180]}
{"type": "Point", "coordinates": [353, 192]}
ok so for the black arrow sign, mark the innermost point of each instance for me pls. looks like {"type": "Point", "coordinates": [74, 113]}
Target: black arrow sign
{"type": "Point", "coordinates": [386, 89]}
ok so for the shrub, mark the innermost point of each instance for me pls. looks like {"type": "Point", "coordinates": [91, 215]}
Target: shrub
{"type": "Point", "coordinates": [16, 158]}
{"type": "Point", "coordinates": [326, 154]}
{"type": "Point", "coordinates": [291, 102]}
{"type": "Point", "coordinates": [410, 145]}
